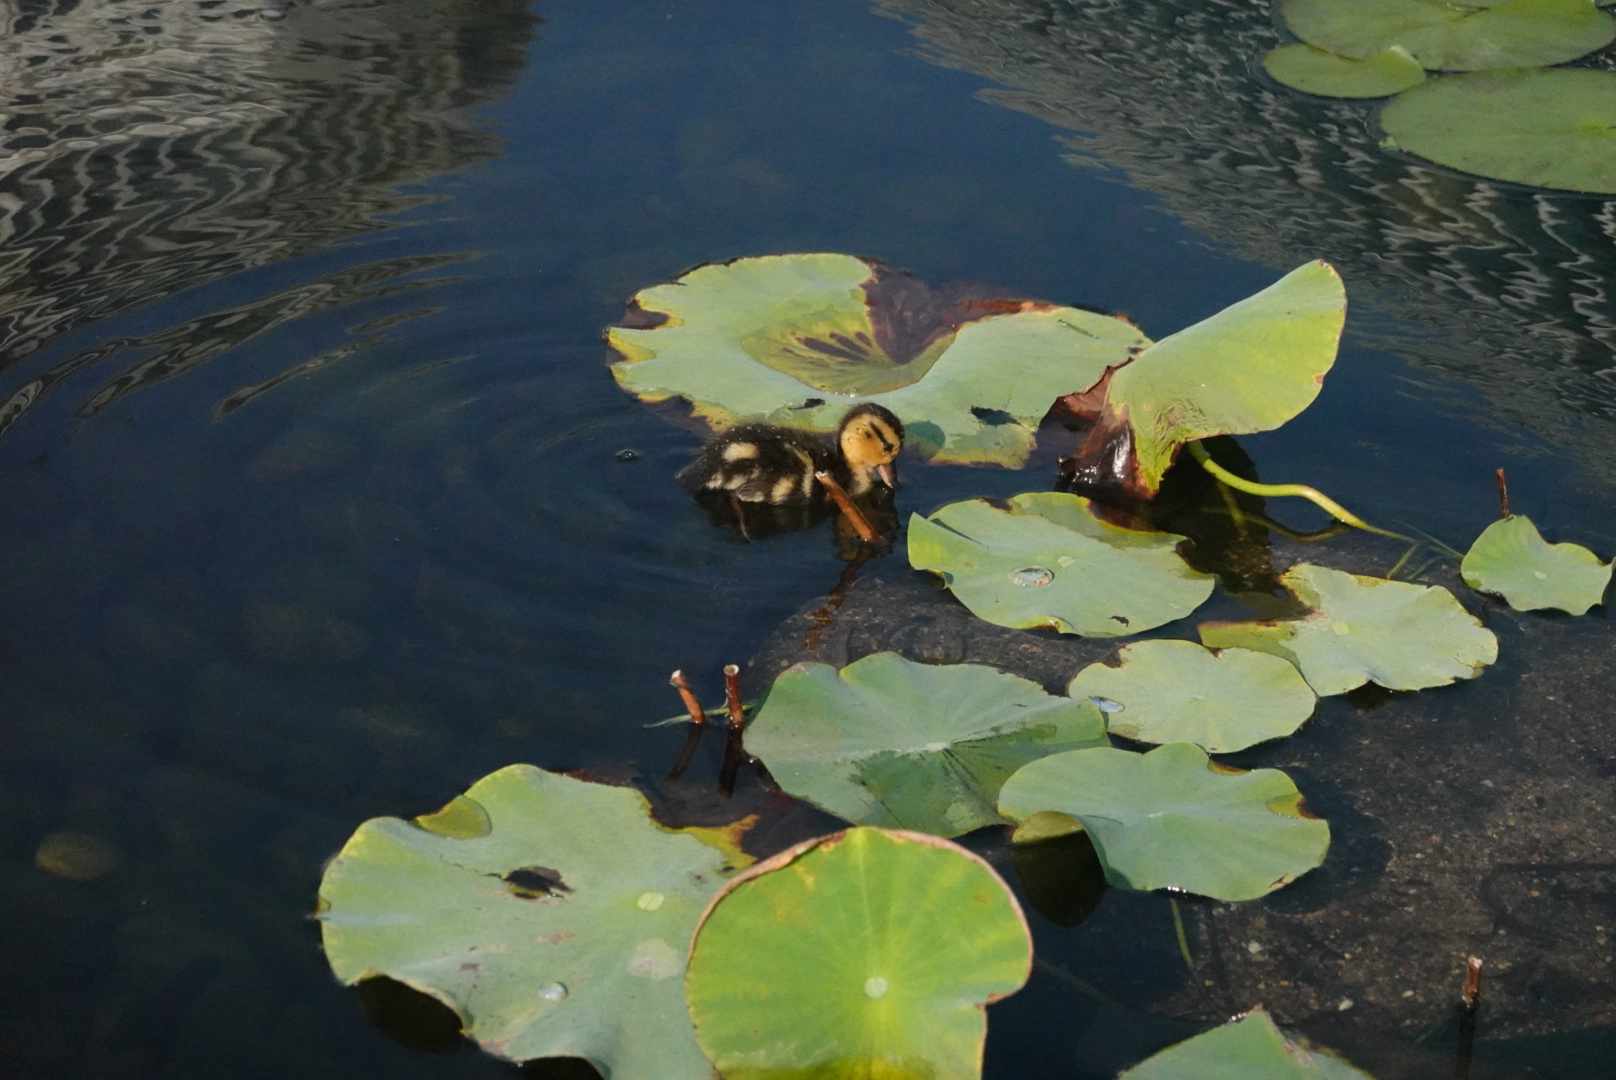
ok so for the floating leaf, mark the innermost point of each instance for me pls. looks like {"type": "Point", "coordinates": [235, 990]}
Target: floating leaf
{"type": "Point", "coordinates": [863, 954]}
{"type": "Point", "coordinates": [1050, 561]}
{"type": "Point", "coordinates": [887, 741]}
{"type": "Point", "coordinates": [1171, 819]}
{"type": "Point", "coordinates": [1365, 629]}
{"type": "Point", "coordinates": [560, 930]}
{"type": "Point", "coordinates": [797, 339]}
{"type": "Point", "coordinates": [1250, 1048]}
{"type": "Point", "coordinates": [1512, 559]}
{"type": "Point", "coordinates": [1520, 33]}
{"type": "Point", "coordinates": [1314, 71]}
{"type": "Point", "coordinates": [1176, 691]}
{"type": "Point", "coordinates": [1555, 129]}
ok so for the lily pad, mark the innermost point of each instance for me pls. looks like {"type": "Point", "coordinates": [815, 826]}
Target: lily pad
{"type": "Point", "coordinates": [864, 954]}
{"type": "Point", "coordinates": [1175, 691]}
{"type": "Point", "coordinates": [1248, 1048]}
{"type": "Point", "coordinates": [1171, 819]}
{"type": "Point", "coordinates": [798, 339]}
{"type": "Point", "coordinates": [1365, 629]}
{"type": "Point", "coordinates": [1049, 561]}
{"type": "Point", "coordinates": [1512, 559]}
{"type": "Point", "coordinates": [887, 741]}
{"type": "Point", "coordinates": [561, 930]}
{"type": "Point", "coordinates": [1251, 367]}
{"type": "Point", "coordinates": [1520, 33]}
{"type": "Point", "coordinates": [1315, 71]}
{"type": "Point", "coordinates": [1555, 129]}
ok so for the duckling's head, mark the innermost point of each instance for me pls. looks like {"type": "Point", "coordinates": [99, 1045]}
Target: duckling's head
{"type": "Point", "coordinates": [870, 438]}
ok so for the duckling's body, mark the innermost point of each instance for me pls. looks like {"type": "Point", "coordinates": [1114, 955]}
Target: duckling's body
{"type": "Point", "coordinates": [762, 463]}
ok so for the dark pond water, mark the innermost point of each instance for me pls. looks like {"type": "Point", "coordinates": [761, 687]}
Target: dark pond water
{"type": "Point", "coordinates": [314, 506]}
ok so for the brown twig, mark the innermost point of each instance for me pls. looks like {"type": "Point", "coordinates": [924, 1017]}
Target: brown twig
{"type": "Point", "coordinates": [698, 724]}
{"type": "Point", "coordinates": [1503, 494]}
{"type": "Point", "coordinates": [734, 753]}
{"type": "Point", "coordinates": [861, 524]}
{"type": "Point", "coordinates": [1469, 1001]}
{"type": "Point", "coordinates": [1471, 995]}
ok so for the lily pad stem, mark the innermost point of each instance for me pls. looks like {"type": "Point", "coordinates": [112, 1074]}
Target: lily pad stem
{"type": "Point", "coordinates": [698, 723]}
{"type": "Point", "coordinates": [734, 753]}
{"type": "Point", "coordinates": [1317, 498]}
{"type": "Point", "coordinates": [1183, 939]}
{"type": "Point", "coordinates": [1503, 495]}
{"type": "Point", "coordinates": [860, 523]}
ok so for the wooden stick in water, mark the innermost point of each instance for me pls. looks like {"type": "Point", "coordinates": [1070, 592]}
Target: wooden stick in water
{"type": "Point", "coordinates": [734, 753]}
{"type": "Point", "coordinates": [1469, 1001]}
{"type": "Point", "coordinates": [861, 524]}
{"type": "Point", "coordinates": [1503, 494]}
{"type": "Point", "coordinates": [698, 723]}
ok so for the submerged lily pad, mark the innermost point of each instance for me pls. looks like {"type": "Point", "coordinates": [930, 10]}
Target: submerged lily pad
{"type": "Point", "coordinates": [798, 339]}
{"type": "Point", "coordinates": [887, 741]}
{"type": "Point", "coordinates": [863, 954]}
{"type": "Point", "coordinates": [1175, 691]}
{"type": "Point", "coordinates": [1512, 559]}
{"type": "Point", "coordinates": [1250, 1048]}
{"type": "Point", "coordinates": [561, 930]}
{"type": "Point", "coordinates": [1365, 629]}
{"type": "Point", "coordinates": [1170, 819]}
{"type": "Point", "coordinates": [1555, 129]}
{"type": "Point", "coordinates": [1315, 71]}
{"type": "Point", "coordinates": [1442, 37]}
{"type": "Point", "coordinates": [1049, 561]}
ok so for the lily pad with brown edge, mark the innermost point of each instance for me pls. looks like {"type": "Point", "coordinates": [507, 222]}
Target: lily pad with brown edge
{"type": "Point", "coordinates": [1365, 629]}
{"type": "Point", "coordinates": [1048, 560]}
{"type": "Point", "coordinates": [1173, 819]}
{"type": "Point", "coordinates": [1512, 559]}
{"type": "Point", "coordinates": [1553, 129]}
{"type": "Point", "coordinates": [1251, 367]}
{"type": "Point", "coordinates": [863, 954]}
{"type": "Point", "coordinates": [1249, 1047]}
{"type": "Point", "coordinates": [891, 742]}
{"type": "Point", "coordinates": [1444, 37]}
{"type": "Point", "coordinates": [552, 914]}
{"type": "Point", "coordinates": [798, 339]}
{"type": "Point", "coordinates": [1315, 71]}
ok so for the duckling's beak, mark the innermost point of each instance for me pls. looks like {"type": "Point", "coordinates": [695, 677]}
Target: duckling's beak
{"type": "Point", "coordinates": [888, 475]}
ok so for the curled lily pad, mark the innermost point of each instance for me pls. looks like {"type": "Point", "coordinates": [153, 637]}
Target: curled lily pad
{"type": "Point", "coordinates": [1171, 819]}
{"type": "Point", "coordinates": [1250, 1048]}
{"type": "Point", "coordinates": [1512, 559]}
{"type": "Point", "coordinates": [559, 930]}
{"type": "Point", "coordinates": [1175, 691]}
{"type": "Point", "coordinates": [1315, 71]}
{"type": "Point", "coordinates": [864, 954]}
{"type": "Point", "coordinates": [1443, 37]}
{"type": "Point", "coordinates": [1049, 561]}
{"type": "Point", "coordinates": [1365, 629]}
{"type": "Point", "coordinates": [887, 741]}
{"type": "Point", "coordinates": [797, 339]}
{"type": "Point", "coordinates": [1555, 129]}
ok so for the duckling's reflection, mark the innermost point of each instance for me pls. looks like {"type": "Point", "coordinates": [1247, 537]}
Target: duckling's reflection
{"type": "Point", "coordinates": [760, 521]}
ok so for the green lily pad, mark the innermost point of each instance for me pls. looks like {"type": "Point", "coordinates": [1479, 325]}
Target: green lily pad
{"type": "Point", "coordinates": [561, 930]}
{"type": "Point", "coordinates": [1442, 37]}
{"type": "Point", "coordinates": [1251, 367]}
{"type": "Point", "coordinates": [1512, 559]}
{"type": "Point", "coordinates": [1249, 1048]}
{"type": "Point", "coordinates": [863, 954]}
{"type": "Point", "coordinates": [1175, 691]}
{"type": "Point", "coordinates": [1365, 629]}
{"type": "Point", "coordinates": [1555, 129]}
{"type": "Point", "coordinates": [1315, 71]}
{"type": "Point", "coordinates": [887, 741]}
{"type": "Point", "coordinates": [1049, 561]}
{"type": "Point", "coordinates": [1171, 819]}
{"type": "Point", "coordinates": [798, 339]}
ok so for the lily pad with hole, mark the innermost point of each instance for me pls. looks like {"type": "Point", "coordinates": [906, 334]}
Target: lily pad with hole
{"type": "Point", "coordinates": [1173, 819]}
{"type": "Point", "coordinates": [1512, 559]}
{"type": "Point", "coordinates": [1176, 691]}
{"type": "Point", "coordinates": [1365, 629]}
{"type": "Point", "coordinates": [1554, 129]}
{"type": "Point", "coordinates": [1249, 1047]}
{"type": "Point", "coordinates": [798, 339]}
{"type": "Point", "coordinates": [1444, 37]}
{"type": "Point", "coordinates": [1315, 71]}
{"type": "Point", "coordinates": [863, 954]}
{"type": "Point", "coordinates": [1048, 560]}
{"type": "Point", "coordinates": [887, 741]}
{"type": "Point", "coordinates": [553, 915]}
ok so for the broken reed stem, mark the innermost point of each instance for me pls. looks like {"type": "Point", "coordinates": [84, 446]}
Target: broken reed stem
{"type": "Point", "coordinates": [734, 753]}
{"type": "Point", "coordinates": [678, 681]}
{"type": "Point", "coordinates": [1503, 495]}
{"type": "Point", "coordinates": [1469, 999]}
{"type": "Point", "coordinates": [698, 724]}
{"type": "Point", "coordinates": [1471, 995]}
{"type": "Point", "coordinates": [1312, 495]}
{"type": "Point", "coordinates": [861, 524]}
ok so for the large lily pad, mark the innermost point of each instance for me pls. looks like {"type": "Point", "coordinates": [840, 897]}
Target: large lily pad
{"type": "Point", "coordinates": [1049, 561]}
{"type": "Point", "coordinates": [1443, 37]}
{"type": "Point", "coordinates": [1315, 71]}
{"type": "Point", "coordinates": [1175, 691]}
{"type": "Point", "coordinates": [1248, 1048]}
{"type": "Point", "coordinates": [1251, 367]}
{"type": "Point", "coordinates": [864, 954]}
{"type": "Point", "coordinates": [1365, 629]}
{"type": "Point", "coordinates": [552, 914]}
{"type": "Point", "coordinates": [887, 741]}
{"type": "Point", "coordinates": [797, 339]}
{"type": "Point", "coordinates": [1512, 559]}
{"type": "Point", "coordinates": [1170, 819]}
{"type": "Point", "coordinates": [1555, 129]}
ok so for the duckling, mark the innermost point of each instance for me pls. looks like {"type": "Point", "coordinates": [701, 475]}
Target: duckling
{"type": "Point", "coordinates": [762, 463]}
